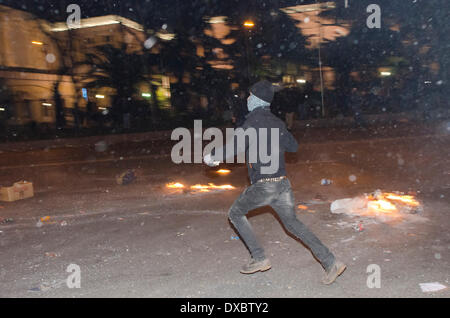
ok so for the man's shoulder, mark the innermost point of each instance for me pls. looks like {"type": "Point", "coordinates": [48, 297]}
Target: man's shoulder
{"type": "Point", "coordinates": [275, 121]}
{"type": "Point", "coordinates": [268, 120]}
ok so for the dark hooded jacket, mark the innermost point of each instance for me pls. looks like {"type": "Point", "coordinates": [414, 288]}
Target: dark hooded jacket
{"type": "Point", "coordinates": [262, 117]}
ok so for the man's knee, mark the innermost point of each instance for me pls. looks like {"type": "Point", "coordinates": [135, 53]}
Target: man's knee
{"type": "Point", "coordinates": [234, 213]}
{"type": "Point", "coordinates": [290, 221]}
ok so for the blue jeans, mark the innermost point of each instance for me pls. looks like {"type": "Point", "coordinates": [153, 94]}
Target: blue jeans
{"type": "Point", "coordinates": [279, 196]}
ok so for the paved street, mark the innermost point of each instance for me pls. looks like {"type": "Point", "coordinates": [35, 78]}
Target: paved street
{"type": "Point", "coordinates": [143, 240]}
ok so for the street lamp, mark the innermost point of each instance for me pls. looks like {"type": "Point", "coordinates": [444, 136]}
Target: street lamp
{"type": "Point", "coordinates": [248, 24]}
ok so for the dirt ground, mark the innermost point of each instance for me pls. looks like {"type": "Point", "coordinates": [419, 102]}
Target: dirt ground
{"type": "Point", "coordinates": [143, 240]}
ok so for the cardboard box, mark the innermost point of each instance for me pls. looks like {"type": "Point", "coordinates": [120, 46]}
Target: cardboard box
{"type": "Point", "coordinates": [18, 191]}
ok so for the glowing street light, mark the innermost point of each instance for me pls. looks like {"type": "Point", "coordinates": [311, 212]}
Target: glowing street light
{"type": "Point", "coordinates": [100, 96]}
{"type": "Point", "coordinates": [385, 73]}
{"type": "Point", "coordinates": [249, 24]}
{"type": "Point", "coordinates": [37, 43]}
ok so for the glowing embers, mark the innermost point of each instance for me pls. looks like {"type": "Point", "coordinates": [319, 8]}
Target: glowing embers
{"type": "Point", "coordinates": [197, 188]}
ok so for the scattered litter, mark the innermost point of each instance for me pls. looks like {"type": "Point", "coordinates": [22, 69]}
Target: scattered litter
{"type": "Point", "coordinates": [63, 223]}
{"type": "Point", "coordinates": [359, 227]}
{"type": "Point", "coordinates": [305, 208]}
{"type": "Point", "coordinates": [234, 237]}
{"type": "Point", "coordinates": [431, 287]}
{"type": "Point", "coordinates": [45, 219]}
{"type": "Point", "coordinates": [6, 221]}
{"type": "Point", "coordinates": [348, 205]}
{"type": "Point", "coordinates": [18, 191]}
{"type": "Point", "coordinates": [126, 177]}
{"type": "Point", "coordinates": [52, 255]}
{"type": "Point", "coordinates": [326, 182]}
{"type": "Point", "coordinates": [47, 286]}
{"type": "Point", "coordinates": [35, 289]}
{"type": "Point", "coordinates": [120, 219]}
{"type": "Point", "coordinates": [101, 146]}
{"type": "Point", "coordinates": [437, 255]}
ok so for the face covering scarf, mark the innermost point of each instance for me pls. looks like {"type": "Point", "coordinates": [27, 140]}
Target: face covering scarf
{"type": "Point", "coordinates": [254, 102]}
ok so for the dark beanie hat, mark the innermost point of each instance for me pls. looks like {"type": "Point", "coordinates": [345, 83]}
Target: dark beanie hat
{"type": "Point", "coordinates": [263, 90]}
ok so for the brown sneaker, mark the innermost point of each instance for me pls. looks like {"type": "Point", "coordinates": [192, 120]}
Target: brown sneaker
{"type": "Point", "coordinates": [337, 269]}
{"type": "Point", "coordinates": [256, 266]}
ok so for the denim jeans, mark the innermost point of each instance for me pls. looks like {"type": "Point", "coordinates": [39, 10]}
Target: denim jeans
{"type": "Point", "coordinates": [279, 196]}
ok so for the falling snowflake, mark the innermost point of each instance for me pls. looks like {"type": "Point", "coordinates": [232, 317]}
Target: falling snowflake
{"type": "Point", "coordinates": [51, 58]}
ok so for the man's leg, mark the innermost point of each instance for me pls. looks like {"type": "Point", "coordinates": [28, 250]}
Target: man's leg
{"type": "Point", "coordinates": [252, 198]}
{"type": "Point", "coordinates": [285, 207]}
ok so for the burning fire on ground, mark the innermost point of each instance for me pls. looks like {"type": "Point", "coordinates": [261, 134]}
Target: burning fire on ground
{"type": "Point", "coordinates": [392, 203]}
{"type": "Point", "coordinates": [223, 171]}
{"type": "Point", "coordinates": [388, 204]}
{"type": "Point", "coordinates": [199, 187]}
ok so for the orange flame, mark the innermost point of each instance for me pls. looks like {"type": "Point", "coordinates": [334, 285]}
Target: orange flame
{"type": "Point", "coordinates": [390, 202]}
{"type": "Point", "coordinates": [175, 185]}
{"type": "Point", "coordinates": [223, 171]}
{"type": "Point", "coordinates": [406, 199]}
{"type": "Point", "coordinates": [381, 206]}
{"type": "Point", "coordinates": [200, 187]}
{"type": "Point", "coordinates": [211, 186]}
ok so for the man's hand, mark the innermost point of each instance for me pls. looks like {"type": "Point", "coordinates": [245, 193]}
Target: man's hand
{"type": "Point", "coordinates": [210, 162]}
